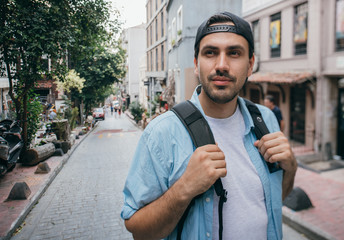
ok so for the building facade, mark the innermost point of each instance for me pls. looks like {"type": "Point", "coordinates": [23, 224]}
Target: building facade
{"type": "Point", "coordinates": [300, 61]}
{"type": "Point", "coordinates": [156, 35]}
{"type": "Point", "coordinates": [134, 42]}
{"type": "Point", "coordinates": [184, 17]}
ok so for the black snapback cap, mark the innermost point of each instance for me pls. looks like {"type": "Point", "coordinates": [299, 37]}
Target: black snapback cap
{"type": "Point", "coordinates": [241, 27]}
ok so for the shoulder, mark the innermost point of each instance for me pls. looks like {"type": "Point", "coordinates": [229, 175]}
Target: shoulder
{"type": "Point", "coordinates": [269, 118]}
{"type": "Point", "coordinates": [165, 128]}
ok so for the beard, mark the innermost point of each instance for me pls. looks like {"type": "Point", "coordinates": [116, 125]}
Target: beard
{"type": "Point", "coordinates": [221, 94]}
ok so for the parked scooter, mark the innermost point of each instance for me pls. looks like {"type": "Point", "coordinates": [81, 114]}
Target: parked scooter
{"type": "Point", "coordinates": [11, 144]}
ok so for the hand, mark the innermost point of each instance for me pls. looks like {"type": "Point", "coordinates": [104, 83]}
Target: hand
{"type": "Point", "coordinates": [275, 147]}
{"type": "Point", "coordinates": [205, 166]}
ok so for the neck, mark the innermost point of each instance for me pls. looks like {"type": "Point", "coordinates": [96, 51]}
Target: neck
{"type": "Point", "coordinates": [217, 110]}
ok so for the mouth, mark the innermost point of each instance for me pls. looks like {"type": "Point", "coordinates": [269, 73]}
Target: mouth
{"type": "Point", "coordinates": [221, 81]}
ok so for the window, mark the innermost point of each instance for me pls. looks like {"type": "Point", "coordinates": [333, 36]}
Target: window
{"type": "Point", "coordinates": [162, 57]}
{"type": "Point", "coordinates": [169, 38]}
{"type": "Point", "coordinates": [148, 61]}
{"type": "Point", "coordinates": [147, 36]}
{"type": "Point", "coordinates": [147, 14]}
{"type": "Point", "coordinates": [151, 60]}
{"type": "Point", "coordinates": [151, 8]}
{"type": "Point", "coordinates": [300, 29]}
{"type": "Point", "coordinates": [275, 35]}
{"type": "Point", "coordinates": [255, 96]}
{"type": "Point", "coordinates": [174, 31]}
{"type": "Point", "coordinates": [156, 60]}
{"type": "Point", "coordinates": [256, 36]}
{"type": "Point", "coordinates": [151, 34]}
{"type": "Point", "coordinates": [179, 22]}
{"type": "Point", "coordinates": [162, 24]}
{"type": "Point", "coordinates": [156, 30]}
{"type": "Point", "coordinates": [340, 25]}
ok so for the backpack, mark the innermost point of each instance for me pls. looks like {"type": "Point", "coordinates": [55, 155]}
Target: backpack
{"type": "Point", "coordinates": [201, 135]}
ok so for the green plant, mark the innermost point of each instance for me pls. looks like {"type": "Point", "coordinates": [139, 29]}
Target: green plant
{"type": "Point", "coordinates": [179, 32]}
{"type": "Point", "coordinates": [136, 110]}
{"type": "Point", "coordinates": [75, 114]}
{"type": "Point", "coordinates": [34, 108]}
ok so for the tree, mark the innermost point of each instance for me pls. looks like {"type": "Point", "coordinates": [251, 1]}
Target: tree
{"type": "Point", "coordinates": [97, 54]}
{"type": "Point", "coordinates": [33, 29]}
{"type": "Point", "coordinates": [101, 72]}
{"type": "Point", "coordinates": [29, 30]}
{"type": "Point", "coordinates": [72, 82]}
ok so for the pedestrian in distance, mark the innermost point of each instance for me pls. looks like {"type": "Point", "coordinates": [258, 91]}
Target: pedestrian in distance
{"type": "Point", "coordinates": [168, 173]}
{"type": "Point", "coordinates": [270, 102]}
{"type": "Point", "coordinates": [52, 115]}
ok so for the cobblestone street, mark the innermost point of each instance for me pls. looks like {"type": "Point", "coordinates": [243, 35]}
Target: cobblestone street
{"type": "Point", "coordinates": [85, 199]}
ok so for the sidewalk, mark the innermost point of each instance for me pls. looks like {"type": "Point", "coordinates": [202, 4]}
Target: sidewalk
{"type": "Point", "coordinates": [326, 192]}
{"type": "Point", "coordinates": [12, 213]}
{"type": "Point", "coordinates": [323, 221]}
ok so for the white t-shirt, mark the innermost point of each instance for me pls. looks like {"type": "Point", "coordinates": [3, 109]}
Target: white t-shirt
{"type": "Point", "coordinates": [244, 213]}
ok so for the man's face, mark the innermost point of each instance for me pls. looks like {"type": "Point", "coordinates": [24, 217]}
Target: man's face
{"type": "Point", "coordinates": [223, 65]}
{"type": "Point", "coordinates": [268, 104]}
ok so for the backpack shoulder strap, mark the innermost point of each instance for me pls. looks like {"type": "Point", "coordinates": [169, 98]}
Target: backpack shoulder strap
{"type": "Point", "coordinates": [260, 129]}
{"type": "Point", "coordinates": [198, 128]}
{"type": "Point", "coordinates": [195, 123]}
{"type": "Point", "coordinates": [201, 134]}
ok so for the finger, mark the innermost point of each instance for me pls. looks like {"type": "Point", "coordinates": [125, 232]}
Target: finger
{"type": "Point", "coordinates": [216, 155]}
{"type": "Point", "coordinates": [278, 157]}
{"type": "Point", "coordinates": [272, 151]}
{"type": "Point", "coordinates": [270, 136]}
{"type": "Point", "coordinates": [210, 148]}
{"type": "Point", "coordinates": [266, 144]}
{"type": "Point", "coordinates": [221, 172]}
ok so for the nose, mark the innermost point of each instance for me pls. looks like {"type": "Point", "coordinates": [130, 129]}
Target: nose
{"type": "Point", "coordinates": [222, 63]}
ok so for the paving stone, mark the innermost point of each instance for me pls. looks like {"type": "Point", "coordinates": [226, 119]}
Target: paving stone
{"type": "Point", "coordinates": [85, 199]}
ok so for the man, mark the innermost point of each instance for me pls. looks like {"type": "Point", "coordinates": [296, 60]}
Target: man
{"type": "Point", "coordinates": [269, 102]}
{"type": "Point", "coordinates": [167, 172]}
{"type": "Point", "coordinates": [52, 115]}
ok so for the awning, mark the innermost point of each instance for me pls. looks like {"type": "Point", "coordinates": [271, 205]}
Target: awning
{"type": "Point", "coordinates": [280, 77]}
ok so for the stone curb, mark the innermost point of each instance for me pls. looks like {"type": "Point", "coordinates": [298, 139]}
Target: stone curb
{"type": "Point", "coordinates": [43, 188]}
{"type": "Point", "coordinates": [311, 231]}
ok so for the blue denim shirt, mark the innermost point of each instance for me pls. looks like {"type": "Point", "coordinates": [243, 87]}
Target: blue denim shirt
{"type": "Point", "coordinates": [161, 158]}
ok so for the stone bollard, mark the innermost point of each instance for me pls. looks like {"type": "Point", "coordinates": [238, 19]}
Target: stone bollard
{"type": "Point", "coordinates": [20, 191]}
{"type": "Point", "coordinates": [43, 167]}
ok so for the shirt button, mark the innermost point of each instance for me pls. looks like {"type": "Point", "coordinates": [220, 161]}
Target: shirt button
{"type": "Point", "coordinates": [207, 199]}
{"type": "Point", "coordinates": [208, 234]}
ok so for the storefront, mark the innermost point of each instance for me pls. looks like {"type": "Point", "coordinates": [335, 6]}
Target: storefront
{"type": "Point", "coordinates": [294, 93]}
{"type": "Point", "coordinates": [340, 130]}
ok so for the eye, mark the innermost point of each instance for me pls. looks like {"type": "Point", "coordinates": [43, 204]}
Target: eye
{"type": "Point", "coordinates": [209, 52]}
{"type": "Point", "coordinates": [234, 53]}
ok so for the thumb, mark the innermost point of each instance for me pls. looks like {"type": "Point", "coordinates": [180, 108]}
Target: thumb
{"type": "Point", "coordinates": [256, 143]}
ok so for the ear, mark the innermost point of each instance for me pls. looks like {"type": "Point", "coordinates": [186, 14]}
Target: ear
{"type": "Point", "coordinates": [196, 67]}
{"type": "Point", "coordinates": [251, 63]}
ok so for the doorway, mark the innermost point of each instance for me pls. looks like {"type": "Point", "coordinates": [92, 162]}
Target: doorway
{"type": "Point", "coordinates": [297, 114]}
{"type": "Point", "coordinates": [340, 134]}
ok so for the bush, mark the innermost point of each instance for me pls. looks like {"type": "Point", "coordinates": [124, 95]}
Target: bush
{"type": "Point", "coordinates": [136, 110]}
{"type": "Point", "coordinates": [72, 121]}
